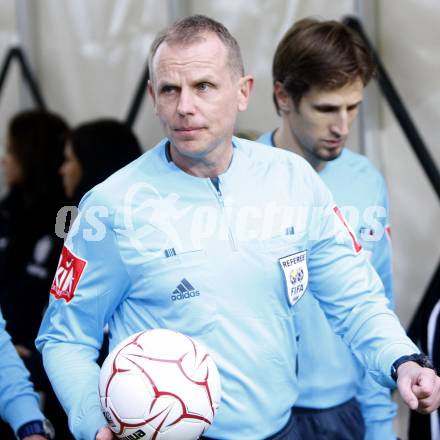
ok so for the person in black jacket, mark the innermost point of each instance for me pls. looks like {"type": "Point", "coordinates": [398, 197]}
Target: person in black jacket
{"type": "Point", "coordinates": [95, 150]}
{"type": "Point", "coordinates": [29, 248]}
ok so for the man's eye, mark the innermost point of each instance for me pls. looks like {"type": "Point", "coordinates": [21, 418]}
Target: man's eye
{"type": "Point", "coordinates": [167, 89]}
{"type": "Point", "coordinates": [326, 109]}
{"type": "Point", "coordinates": [203, 87]}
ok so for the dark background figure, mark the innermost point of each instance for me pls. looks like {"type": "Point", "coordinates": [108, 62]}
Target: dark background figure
{"type": "Point", "coordinates": [426, 333]}
{"type": "Point", "coordinates": [95, 150]}
{"type": "Point", "coordinates": [29, 248]}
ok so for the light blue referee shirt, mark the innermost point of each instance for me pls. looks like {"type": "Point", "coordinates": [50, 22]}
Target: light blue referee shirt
{"type": "Point", "coordinates": [250, 246]}
{"type": "Point", "coordinates": [329, 374]}
{"type": "Point", "coordinates": [18, 400]}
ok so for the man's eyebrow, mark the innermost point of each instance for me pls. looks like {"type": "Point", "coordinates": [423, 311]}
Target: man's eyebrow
{"type": "Point", "coordinates": [206, 77]}
{"type": "Point", "coordinates": [355, 104]}
{"type": "Point", "coordinates": [166, 83]}
{"type": "Point", "coordinates": [334, 106]}
{"type": "Point", "coordinates": [326, 105]}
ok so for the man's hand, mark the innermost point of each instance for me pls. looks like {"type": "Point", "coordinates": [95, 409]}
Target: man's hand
{"type": "Point", "coordinates": [105, 433]}
{"type": "Point", "coordinates": [35, 437]}
{"type": "Point", "coordinates": [419, 387]}
{"type": "Point", "coordinates": [23, 351]}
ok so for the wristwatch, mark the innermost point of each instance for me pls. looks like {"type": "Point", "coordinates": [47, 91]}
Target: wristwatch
{"type": "Point", "coordinates": [418, 358]}
{"type": "Point", "coordinates": [36, 427]}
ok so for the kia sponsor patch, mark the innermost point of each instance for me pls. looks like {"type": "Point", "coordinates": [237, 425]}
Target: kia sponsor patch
{"type": "Point", "coordinates": [69, 271]}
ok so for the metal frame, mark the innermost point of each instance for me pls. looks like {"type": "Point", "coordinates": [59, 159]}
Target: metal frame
{"type": "Point", "coordinates": [16, 53]}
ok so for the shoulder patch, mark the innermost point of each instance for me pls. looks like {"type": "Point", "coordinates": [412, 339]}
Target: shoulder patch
{"type": "Point", "coordinates": [355, 242]}
{"type": "Point", "coordinates": [388, 231]}
{"type": "Point", "coordinates": [67, 276]}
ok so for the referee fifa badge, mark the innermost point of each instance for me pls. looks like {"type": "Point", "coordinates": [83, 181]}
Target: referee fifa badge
{"type": "Point", "coordinates": [296, 275]}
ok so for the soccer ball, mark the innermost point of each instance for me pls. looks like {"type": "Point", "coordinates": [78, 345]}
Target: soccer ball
{"type": "Point", "coordinates": [159, 385]}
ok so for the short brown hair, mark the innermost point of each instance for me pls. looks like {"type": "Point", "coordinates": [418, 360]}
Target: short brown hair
{"type": "Point", "coordinates": [188, 30]}
{"type": "Point", "coordinates": [322, 54]}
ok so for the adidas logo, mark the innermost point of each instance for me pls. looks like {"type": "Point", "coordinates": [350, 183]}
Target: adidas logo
{"type": "Point", "coordinates": [184, 291]}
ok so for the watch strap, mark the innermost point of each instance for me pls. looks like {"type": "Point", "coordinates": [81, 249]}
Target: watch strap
{"type": "Point", "coordinates": [35, 427]}
{"type": "Point", "coordinates": [418, 358]}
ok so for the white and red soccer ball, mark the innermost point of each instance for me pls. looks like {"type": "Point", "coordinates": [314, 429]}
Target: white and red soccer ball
{"type": "Point", "coordinates": [159, 385]}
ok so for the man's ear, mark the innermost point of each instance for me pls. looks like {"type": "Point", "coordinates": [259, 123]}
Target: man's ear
{"type": "Point", "coordinates": [284, 101]}
{"type": "Point", "coordinates": [245, 87]}
{"type": "Point", "coordinates": [150, 89]}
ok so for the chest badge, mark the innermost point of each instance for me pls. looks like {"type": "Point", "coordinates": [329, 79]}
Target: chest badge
{"type": "Point", "coordinates": [296, 275]}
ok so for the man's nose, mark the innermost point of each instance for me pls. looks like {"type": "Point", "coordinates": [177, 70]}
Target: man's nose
{"type": "Point", "coordinates": [186, 104]}
{"type": "Point", "coordinates": [341, 126]}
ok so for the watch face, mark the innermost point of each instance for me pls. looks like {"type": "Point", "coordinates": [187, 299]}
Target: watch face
{"type": "Point", "coordinates": [49, 430]}
{"type": "Point", "coordinates": [394, 373]}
